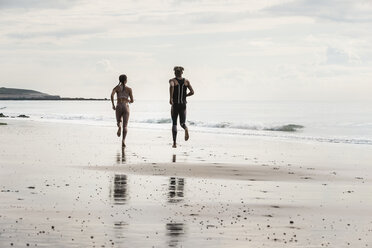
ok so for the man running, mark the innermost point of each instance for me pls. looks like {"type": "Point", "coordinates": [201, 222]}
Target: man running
{"type": "Point", "coordinates": [177, 98]}
{"type": "Point", "coordinates": [124, 96]}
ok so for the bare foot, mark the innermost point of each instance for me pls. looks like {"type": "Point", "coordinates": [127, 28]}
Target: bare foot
{"type": "Point", "coordinates": [119, 131]}
{"type": "Point", "coordinates": [186, 134]}
{"type": "Point", "coordinates": [174, 145]}
{"type": "Point", "coordinates": [123, 144]}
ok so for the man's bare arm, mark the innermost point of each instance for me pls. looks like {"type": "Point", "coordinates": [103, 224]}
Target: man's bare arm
{"type": "Point", "coordinates": [112, 98]}
{"type": "Point", "coordinates": [190, 88]}
{"type": "Point", "coordinates": [171, 90]}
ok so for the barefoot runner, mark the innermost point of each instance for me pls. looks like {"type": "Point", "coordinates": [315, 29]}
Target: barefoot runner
{"type": "Point", "coordinates": [124, 97]}
{"type": "Point", "coordinates": [177, 98]}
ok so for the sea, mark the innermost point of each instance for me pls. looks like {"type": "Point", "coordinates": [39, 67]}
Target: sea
{"type": "Point", "coordinates": [332, 122]}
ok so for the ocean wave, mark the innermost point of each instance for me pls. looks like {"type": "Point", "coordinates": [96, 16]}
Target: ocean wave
{"type": "Point", "coordinates": [156, 121]}
{"type": "Point", "coordinates": [286, 128]}
{"type": "Point", "coordinates": [291, 136]}
{"type": "Point", "coordinates": [279, 128]}
{"type": "Point", "coordinates": [229, 125]}
{"type": "Point", "coordinates": [77, 118]}
{"type": "Point", "coordinates": [287, 131]}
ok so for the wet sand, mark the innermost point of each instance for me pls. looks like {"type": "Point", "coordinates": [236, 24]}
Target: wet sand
{"type": "Point", "coordinates": [67, 185]}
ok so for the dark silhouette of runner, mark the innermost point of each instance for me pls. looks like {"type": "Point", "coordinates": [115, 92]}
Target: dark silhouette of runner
{"type": "Point", "coordinates": [177, 98]}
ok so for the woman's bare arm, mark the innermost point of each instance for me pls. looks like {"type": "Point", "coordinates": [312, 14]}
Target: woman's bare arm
{"type": "Point", "coordinates": [112, 98]}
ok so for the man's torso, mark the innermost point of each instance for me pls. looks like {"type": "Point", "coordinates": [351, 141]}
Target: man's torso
{"type": "Point", "coordinates": [180, 91]}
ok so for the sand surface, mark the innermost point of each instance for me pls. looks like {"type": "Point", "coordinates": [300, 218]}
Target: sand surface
{"type": "Point", "coordinates": [64, 185]}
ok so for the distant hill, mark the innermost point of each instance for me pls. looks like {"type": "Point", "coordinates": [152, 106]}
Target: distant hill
{"type": "Point", "coordinates": [22, 94]}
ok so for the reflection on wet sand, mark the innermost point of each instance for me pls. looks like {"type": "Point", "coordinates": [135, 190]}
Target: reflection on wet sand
{"type": "Point", "coordinates": [175, 231]}
{"type": "Point", "coordinates": [176, 189]}
{"type": "Point", "coordinates": [174, 158]}
{"type": "Point", "coordinates": [119, 227]}
{"type": "Point", "coordinates": [118, 190]}
{"type": "Point", "coordinates": [120, 157]}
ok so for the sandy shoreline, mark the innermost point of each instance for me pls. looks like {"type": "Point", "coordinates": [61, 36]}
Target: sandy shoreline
{"type": "Point", "coordinates": [72, 186]}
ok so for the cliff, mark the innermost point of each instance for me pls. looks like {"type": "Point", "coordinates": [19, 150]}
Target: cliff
{"type": "Point", "coordinates": [22, 94]}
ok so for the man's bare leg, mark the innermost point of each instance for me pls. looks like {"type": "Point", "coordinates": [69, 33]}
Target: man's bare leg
{"type": "Point", "coordinates": [183, 125]}
{"type": "Point", "coordinates": [174, 135]}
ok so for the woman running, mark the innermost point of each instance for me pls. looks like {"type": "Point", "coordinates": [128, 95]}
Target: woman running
{"type": "Point", "coordinates": [124, 97]}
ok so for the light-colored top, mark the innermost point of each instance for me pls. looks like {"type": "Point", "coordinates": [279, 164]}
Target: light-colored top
{"type": "Point", "coordinates": [122, 93]}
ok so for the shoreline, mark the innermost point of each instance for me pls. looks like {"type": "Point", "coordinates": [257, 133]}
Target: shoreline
{"type": "Point", "coordinates": [275, 135]}
{"type": "Point", "coordinates": [152, 114]}
{"type": "Point", "coordinates": [60, 99]}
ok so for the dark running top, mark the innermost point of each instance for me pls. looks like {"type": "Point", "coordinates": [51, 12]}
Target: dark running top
{"type": "Point", "coordinates": [179, 93]}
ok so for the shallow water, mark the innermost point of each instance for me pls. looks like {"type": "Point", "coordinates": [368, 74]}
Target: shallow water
{"type": "Point", "coordinates": [349, 123]}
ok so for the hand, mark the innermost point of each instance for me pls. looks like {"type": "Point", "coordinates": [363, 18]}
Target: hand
{"type": "Point", "coordinates": [113, 107]}
{"type": "Point", "coordinates": [171, 101]}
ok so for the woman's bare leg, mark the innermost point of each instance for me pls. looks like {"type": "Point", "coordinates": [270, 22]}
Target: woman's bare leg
{"type": "Point", "coordinates": [125, 124]}
{"type": "Point", "coordinates": [119, 129]}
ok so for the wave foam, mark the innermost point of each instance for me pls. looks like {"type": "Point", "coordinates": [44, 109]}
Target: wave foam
{"type": "Point", "coordinates": [286, 128]}
{"type": "Point", "coordinates": [280, 128]}
{"type": "Point", "coordinates": [156, 121]}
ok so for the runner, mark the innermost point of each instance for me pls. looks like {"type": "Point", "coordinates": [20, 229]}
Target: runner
{"type": "Point", "coordinates": [177, 98]}
{"type": "Point", "coordinates": [124, 97]}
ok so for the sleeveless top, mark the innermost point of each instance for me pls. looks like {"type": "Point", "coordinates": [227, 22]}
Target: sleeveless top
{"type": "Point", "coordinates": [179, 93]}
{"type": "Point", "coordinates": [122, 94]}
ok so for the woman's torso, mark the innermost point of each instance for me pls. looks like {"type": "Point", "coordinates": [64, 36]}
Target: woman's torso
{"type": "Point", "coordinates": [122, 94]}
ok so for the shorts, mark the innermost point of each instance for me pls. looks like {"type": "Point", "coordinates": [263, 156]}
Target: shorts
{"type": "Point", "coordinates": [178, 110]}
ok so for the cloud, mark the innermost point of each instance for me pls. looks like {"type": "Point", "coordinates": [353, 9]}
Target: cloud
{"type": "Point", "coordinates": [336, 56]}
{"type": "Point", "coordinates": [334, 10]}
{"type": "Point", "coordinates": [61, 33]}
{"type": "Point", "coordinates": [104, 65]}
{"type": "Point", "coordinates": [255, 49]}
{"type": "Point", "coordinates": [33, 4]}
{"type": "Point", "coordinates": [135, 19]}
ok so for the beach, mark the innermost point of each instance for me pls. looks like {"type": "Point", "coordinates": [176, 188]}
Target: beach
{"type": "Point", "coordinates": [71, 185]}
{"type": "Point", "coordinates": [275, 95]}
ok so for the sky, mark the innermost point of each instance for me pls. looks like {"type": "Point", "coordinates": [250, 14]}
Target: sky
{"type": "Point", "coordinates": [267, 50]}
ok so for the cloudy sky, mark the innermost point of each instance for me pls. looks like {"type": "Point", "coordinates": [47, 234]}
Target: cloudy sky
{"type": "Point", "coordinates": [311, 50]}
